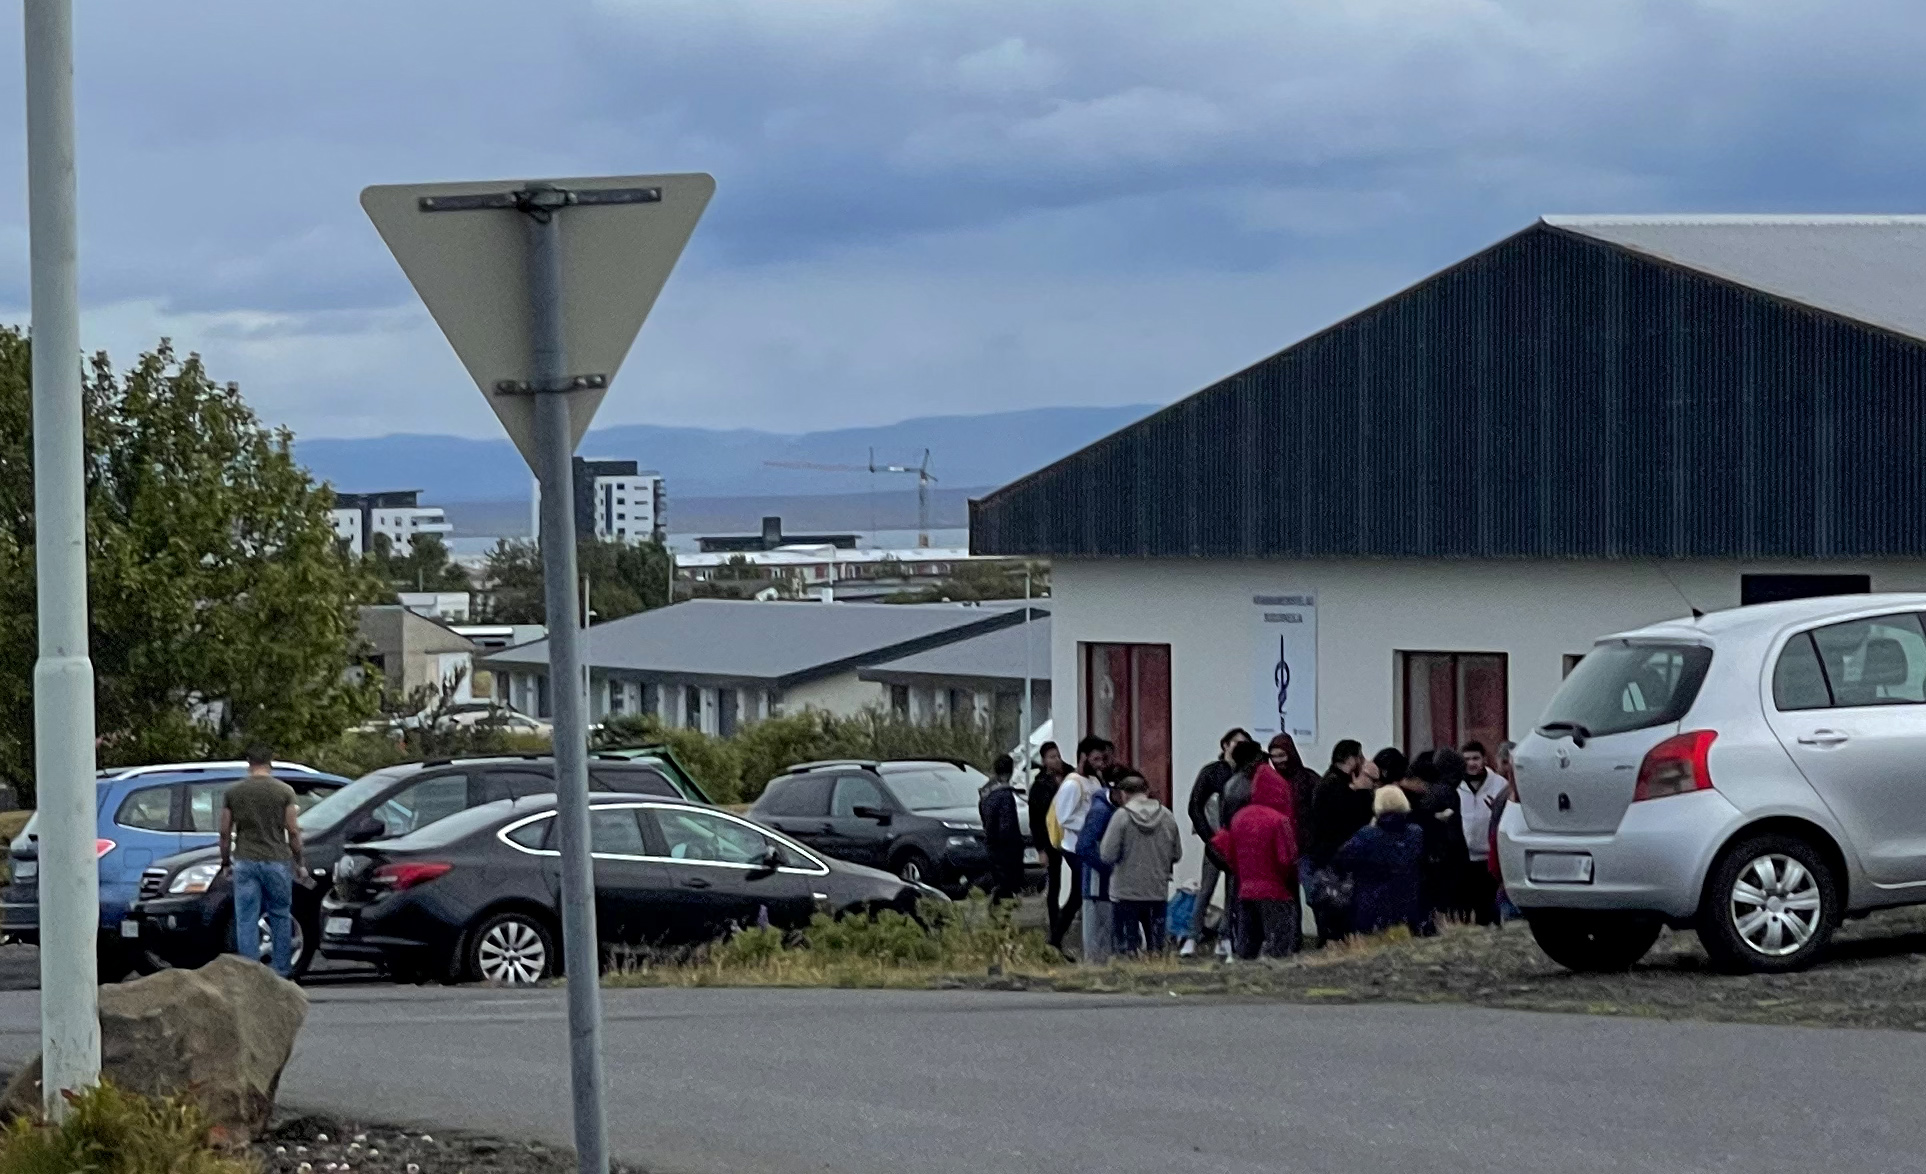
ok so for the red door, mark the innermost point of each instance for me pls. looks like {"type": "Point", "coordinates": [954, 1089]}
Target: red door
{"type": "Point", "coordinates": [1126, 691]}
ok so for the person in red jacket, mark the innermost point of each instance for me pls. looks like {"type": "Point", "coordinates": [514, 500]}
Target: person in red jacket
{"type": "Point", "coordinates": [1260, 845]}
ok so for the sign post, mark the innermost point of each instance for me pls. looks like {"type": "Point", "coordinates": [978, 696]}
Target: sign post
{"type": "Point", "coordinates": [63, 676]}
{"type": "Point", "coordinates": [541, 288]}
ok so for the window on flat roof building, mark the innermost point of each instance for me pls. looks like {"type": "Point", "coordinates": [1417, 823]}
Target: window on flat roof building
{"type": "Point", "coordinates": [1450, 698]}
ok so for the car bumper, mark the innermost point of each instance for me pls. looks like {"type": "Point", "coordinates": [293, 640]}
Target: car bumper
{"type": "Point", "coordinates": [1655, 862]}
{"type": "Point", "coordinates": [182, 931]}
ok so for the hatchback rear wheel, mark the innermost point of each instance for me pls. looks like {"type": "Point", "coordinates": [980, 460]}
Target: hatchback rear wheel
{"type": "Point", "coordinates": [511, 949]}
{"type": "Point", "coordinates": [1591, 942]}
{"type": "Point", "coordinates": [1770, 906]}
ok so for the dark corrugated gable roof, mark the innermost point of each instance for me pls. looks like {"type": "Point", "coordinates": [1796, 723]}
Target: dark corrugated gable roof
{"type": "Point", "coordinates": [1559, 394]}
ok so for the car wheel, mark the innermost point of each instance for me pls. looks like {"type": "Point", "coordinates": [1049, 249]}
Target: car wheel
{"type": "Point", "coordinates": [511, 949]}
{"type": "Point", "coordinates": [915, 868]}
{"type": "Point", "coordinates": [113, 962]}
{"type": "Point", "coordinates": [1770, 906]}
{"type": "Point", "coordinates": [300, 953]}
{"type": "Point", "coordinates": [1593, 943]}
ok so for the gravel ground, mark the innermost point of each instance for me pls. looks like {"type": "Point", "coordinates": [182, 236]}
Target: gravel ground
{"type": "Point", "coordinates": [1875, 976]}
{"type": "Point", "coordinates": [326, 1145]}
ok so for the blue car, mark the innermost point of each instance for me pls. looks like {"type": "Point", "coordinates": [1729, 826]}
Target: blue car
{"type": "Point", "coordinates": [142, 814]}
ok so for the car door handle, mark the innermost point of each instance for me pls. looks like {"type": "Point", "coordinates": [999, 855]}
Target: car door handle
{"type": "Point", "coordinates": [827, 828]}
{"type": "Point", "coordinates": [1824, 738]}
{"type": "Point", "coordinates": [696, 882]}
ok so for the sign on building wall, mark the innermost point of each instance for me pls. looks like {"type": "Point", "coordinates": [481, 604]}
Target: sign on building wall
{"type": "Point", "coordinates": [1286, 667]}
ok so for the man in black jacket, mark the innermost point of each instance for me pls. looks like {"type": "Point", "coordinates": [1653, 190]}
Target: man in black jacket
{"type": "Point", "coordinates": [1206, 797]}
{"type": "Point", "coordinates": [1003, 831]}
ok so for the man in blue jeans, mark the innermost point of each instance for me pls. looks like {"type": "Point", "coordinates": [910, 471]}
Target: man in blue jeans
{"type": "Point", "coordinates": [261, 840]}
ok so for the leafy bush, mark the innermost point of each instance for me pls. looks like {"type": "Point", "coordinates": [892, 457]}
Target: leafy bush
{"type": "Point", "coordinates": [735, 769]}
{"type": "Point", "coordinates": [108, 1131]}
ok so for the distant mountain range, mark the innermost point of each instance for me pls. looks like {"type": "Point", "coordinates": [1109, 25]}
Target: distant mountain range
{"type": "Point", "coordinates": [965, 451]}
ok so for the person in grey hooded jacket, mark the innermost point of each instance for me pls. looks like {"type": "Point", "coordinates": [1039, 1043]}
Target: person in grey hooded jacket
{"type": "Point", "coordinates": [1142, 845]}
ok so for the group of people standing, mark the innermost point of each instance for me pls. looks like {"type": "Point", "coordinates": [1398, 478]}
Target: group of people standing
{"type": "Point", "coordinates": [1370, 844]}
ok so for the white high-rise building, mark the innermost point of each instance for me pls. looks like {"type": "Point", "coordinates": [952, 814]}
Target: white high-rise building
{"type": "Point", "coordinates": [613, 500]}
{"type": "Point", "coordinates": [398, 513]}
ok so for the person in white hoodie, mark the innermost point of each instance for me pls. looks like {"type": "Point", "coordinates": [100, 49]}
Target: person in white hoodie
{"type": "Point", "coordinates": [1071, 806]}
{"type": "Point", "coordinates": [1478, 794]}
{"type": "Point", "coordinates": [1142, 845]}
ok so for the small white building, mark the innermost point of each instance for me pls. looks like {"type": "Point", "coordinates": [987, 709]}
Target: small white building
{"type": "Point", "coordinates": [716, 664]}
{"type": "Point", "coordinates": [1407, 528]}
{"type": "Point", "coordinates": [397, 513]}
{"type": "Point", "coordinates": [448, 606]}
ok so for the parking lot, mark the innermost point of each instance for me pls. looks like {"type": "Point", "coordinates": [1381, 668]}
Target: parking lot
{"type": "Point", "coordinates": [782, 1082]}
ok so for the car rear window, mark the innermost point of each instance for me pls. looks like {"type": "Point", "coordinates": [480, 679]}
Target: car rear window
{"type": "Point", "coordinates": [1629, 686]}
{"type": "Point", "coordinates": [639, 780]}
{"type": "Point", "coordinates": [797, 795]}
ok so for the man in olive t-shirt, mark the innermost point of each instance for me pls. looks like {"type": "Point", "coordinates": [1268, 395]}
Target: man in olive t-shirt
{"type": "Point", "coordinates": [261, 839]}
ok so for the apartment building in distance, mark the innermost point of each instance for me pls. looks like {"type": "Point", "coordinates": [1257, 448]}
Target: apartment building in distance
{"type": "Point", "coordinates": [613, 500]}
{"type": "Point", "coordinates": [398, 513]}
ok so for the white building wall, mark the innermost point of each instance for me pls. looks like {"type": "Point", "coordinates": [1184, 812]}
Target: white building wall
{"type": "Point", "coordinates": [1536, 612]}
{"type": "Point", "coordinates": [842, 694]}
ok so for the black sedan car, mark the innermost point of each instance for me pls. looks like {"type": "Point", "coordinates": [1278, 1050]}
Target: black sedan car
{"type": "Point", "coordinates": [185, 911]}
{"type": "Point", "coordinates": [916, 818]}
{"type": "Point", "coordinates": [478, 895]}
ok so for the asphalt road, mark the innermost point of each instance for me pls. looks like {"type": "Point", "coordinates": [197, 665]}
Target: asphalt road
{"type": "Point", "coordinates": [747, 1082]}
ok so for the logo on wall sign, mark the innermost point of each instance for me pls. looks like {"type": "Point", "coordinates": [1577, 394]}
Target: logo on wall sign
{"type": "Point", "coordinates": [1283, 678]}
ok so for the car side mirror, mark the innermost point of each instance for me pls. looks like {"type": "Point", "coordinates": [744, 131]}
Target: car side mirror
{"type": "Point", "coordinates": [365, 828]}
{"type": "Point", "coordinates": [876, 813]}
{"type": "Point", "coordinates": [771, 861]}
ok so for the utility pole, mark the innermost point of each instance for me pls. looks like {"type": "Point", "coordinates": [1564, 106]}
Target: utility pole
{"type": "Point", "coordinates": [1029, 660]}
{"type": "Point", "coordinates": [63, 676]}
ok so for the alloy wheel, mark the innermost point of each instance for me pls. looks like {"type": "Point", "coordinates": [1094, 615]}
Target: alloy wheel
{"type": "Point", "coordinates": [911, 870]}
{"type": "Point", "coordinates": [512, 952]}
{"type": "Point", "coordinates": [297, 944]}
{"type": "Point", "coordinates": [1776, 905]}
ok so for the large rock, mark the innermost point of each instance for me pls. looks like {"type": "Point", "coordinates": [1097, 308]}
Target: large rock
{"type": "Point", "coordinates": [221, 1034]}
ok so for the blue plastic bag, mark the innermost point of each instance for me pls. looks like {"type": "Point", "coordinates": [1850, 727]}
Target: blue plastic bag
{"type": "Point", "coordinates": [1177, 916]}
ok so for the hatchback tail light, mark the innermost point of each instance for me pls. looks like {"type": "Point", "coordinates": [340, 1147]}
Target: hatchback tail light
{"type": "Point", "coordinates": [408, 875]}
{"type": "Point", "coordinates": [102, 847]}
{"type": "Point", "coordinates": [1676, 766]}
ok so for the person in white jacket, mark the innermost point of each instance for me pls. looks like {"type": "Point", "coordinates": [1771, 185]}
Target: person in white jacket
{"type": "Point", "coordinates": [1073, 804]}
{"type": "Point", "coordinates": [1477, 794]}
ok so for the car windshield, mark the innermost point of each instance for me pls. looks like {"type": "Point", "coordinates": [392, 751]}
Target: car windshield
{"type": "Point", "coordinates": [934, 788]}
{"type": "Point", "coordinates": [1627, 686]}
{"type": "Point", "coordinates": [325, 815]}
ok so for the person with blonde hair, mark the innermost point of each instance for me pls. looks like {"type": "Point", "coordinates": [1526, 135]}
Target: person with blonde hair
{"type": "Point", "coordinates": [1384, 863]}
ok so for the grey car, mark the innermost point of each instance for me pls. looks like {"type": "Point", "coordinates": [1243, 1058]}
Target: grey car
{"type": "Point", "coordinates": [1756, 775]}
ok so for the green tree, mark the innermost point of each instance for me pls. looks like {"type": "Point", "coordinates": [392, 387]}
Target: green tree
{"type": "Point", "coordinates": [624, 578]}
{"type": "Point", "coordinates": [221, 608]}
{"type": "Point", "coordinates": [974, 581]}
{"type": "Point", "coordinates": [426, 566]}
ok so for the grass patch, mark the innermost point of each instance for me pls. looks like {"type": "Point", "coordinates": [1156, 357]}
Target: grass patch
{"type": "Point", "coordinates": [888, 949]}
{"type": "Point", "coordinates": [111, 1131]}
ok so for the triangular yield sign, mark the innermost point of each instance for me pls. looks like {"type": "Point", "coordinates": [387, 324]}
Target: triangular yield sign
{"type": "Point", "coordinates": [470, 269]}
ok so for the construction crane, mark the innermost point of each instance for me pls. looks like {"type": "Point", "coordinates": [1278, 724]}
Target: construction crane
{"type": "Point", "coordinates": [923, 481]}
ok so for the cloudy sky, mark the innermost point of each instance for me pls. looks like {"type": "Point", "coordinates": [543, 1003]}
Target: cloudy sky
{"type": "Point", "coordinates": [924, 206]}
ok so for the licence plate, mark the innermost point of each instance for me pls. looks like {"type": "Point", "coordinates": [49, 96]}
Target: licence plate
{"type": "Point", "coordinates": [339, 927]}
{"type": "Point", "coordinates": [1030, 856]}
{"type": "Point", "coordinates": [26, 870]}
{"type": "Point", "coordinates": [1559, 868]}
{"type": "Point", "coordinates": [130, 928]}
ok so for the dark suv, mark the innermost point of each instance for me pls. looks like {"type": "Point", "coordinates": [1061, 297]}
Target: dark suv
{"type": "Point", "coordinates": [916, 818]}
{"type": "Point", "coordinates": [185, 911]}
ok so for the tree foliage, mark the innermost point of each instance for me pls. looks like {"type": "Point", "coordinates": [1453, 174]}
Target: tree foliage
{"type": "Point", "coordinates": [221, 608]}
{"type": "Point", "coordinates": [972, 582]}
{"type": "Point", "coordinates": [624, 578]}
{"type": "Point", "coordinates": [426, 566]}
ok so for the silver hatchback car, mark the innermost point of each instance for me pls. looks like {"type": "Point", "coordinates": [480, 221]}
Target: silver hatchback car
{"type": "Point", "coordinates": [1757, 775]}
